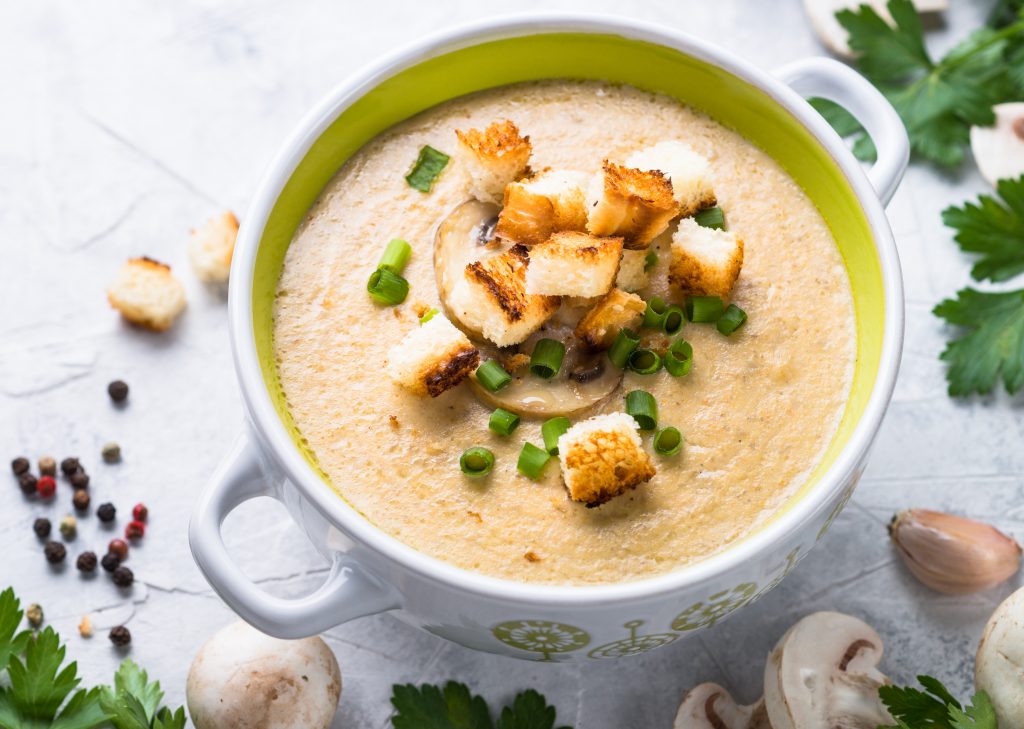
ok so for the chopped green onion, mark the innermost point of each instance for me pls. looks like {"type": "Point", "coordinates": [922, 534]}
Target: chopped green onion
{"type": "Point", "coordinates": [679, 358]}
{"type": "Point", "coordinates": [654, 315]}
{"type": "Point", "coordinates": [387, 287]}
{"type": "Point", "coordinates": [547, 358]}
{"type": "Point", "coordinates": [673, 319]}
{"type": "Point", "coordinates": [428, 166]}
{"type": "Point", "coordinates": [428, 315]}
{"type": "Point", "coordinates": [711, 218]}
{"type": "Point", "coordinates": [642, 406]}
{"type": "Point", "coordinates": [650, 260]}
{"type": "Point", "coordinates": [733, 318]}
{"type": "Point", "coordinates": [644, 361]}
{"type": "Point", "coordinates": [503, 422]}
{"type": "Point", "coordinates": [668, 441]}
{"type": "Point", "coordinates": [704, 309]}
{"type": "Point", "coordinates": [492, 375]}
{"type": "Point", "coordinates": [476, 462]}
{"type": "Point", "coordinates": [622, 347]}
{"type": "Point", "coordinates": [396, 255]}
{"type": "Point", "coordinates": [532, 461]}
{"type": "Point", "coordinates": [552, 431]}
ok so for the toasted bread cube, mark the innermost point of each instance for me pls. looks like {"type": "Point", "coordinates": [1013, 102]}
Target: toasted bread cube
{"type": "Point", "coordinates": [211, 246]}
{"type": "Point", "coordinates": [147, 293]}
{"type": "Point", "coordinates": [635, 204]}
{"type": "Point", "coordinates": [553, 201]}
{"type": "Point", "coordinates": [603, 457]}
{"type": "Point", "coordinates": [705, 261]}
{"type": "Point", "coordinates": [494, 157]}
{"type": "Point", "coordinates": [573, 264]}
{"type": "Point", "coordinates": [632, 275]}
{"type": "Point", "coordinates": [432, 358]}
{"type": "Point", "coordinates": [613, 313]}
{"type": "Point", "coordinates": [689, 173]}
{"type": "Point", "coordinates": [492, 298]}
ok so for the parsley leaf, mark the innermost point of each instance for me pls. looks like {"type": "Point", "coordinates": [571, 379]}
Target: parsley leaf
{"type": "Point", "coordinates": [11, 641]}
{"type": "Point", "coordinates": [846, 125]}
{"type": "Point", "coordinates": [979, 715]}
{"type": "Point", "coordinates": [994, 229]}
{"type": "Point", "coordinates": [454, 707]}
{"type": "Point", "coordinates": [935, 707]}
{"type": "Point", "coordinates": [529, 710]}
{"type": "Point", "coordinates": [133, 689]}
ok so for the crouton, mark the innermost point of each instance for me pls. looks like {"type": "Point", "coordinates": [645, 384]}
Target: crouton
{"type": "Point", "coordinates": [147, 293]}
{"type": "Point", "coordinates": [492, 298]}
{"type": "Point", "coordinates": [432, 358]}
{"type": "Point", "coordinates": [547, 203]}
{"type": "Point", "coordinates": [614, 312]}
{"type": "Point", "coordinates": [705, 261]}
{"type": "Point", "coordinates": [632, 275]}
{"type": "Point", "coordinates": [603, 457]}
{"type": "Point", "coordinates": [573, 264]}
{"type": "Point", "coordinates": [494, 157]}
{"type": "Point", "coordinates": [689, 173]}
{"type": "Point", "coordinates": [210, 248]}
{"type": "Point", "coordinates": [635, 204]}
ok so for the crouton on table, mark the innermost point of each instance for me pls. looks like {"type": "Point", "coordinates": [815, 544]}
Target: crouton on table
{"type": "Point", "coordinates": [491, 298]}
{"type": "Point", "coordinates": [632, 275]}
{"type": "Point", "coordinates": [573, 264]}
{"type": "Point", "coordinates": [614, 312]}
{"type": "Point", "coordinates": [494, 157]}
{"type": "Point", "coordinates": [211, 246]}
{"type": "Point", "coordinates": [705, 261]}
{"type": "Point", "coordinates": [552, 201]}
{"type": "Point", "coordinates": [432, 358]}
{"type": "Point", "coordinates": [689, 173]}
{"type": "Point", "coordinates": [603, 457]}
{"type": "Point", "coordinates": [147, 293]}
{"type": "Point", "coordinates": [635, 204]}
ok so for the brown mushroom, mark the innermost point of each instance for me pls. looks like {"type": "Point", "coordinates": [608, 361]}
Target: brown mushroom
{"type": "Point", "coordinates": [709, 706]}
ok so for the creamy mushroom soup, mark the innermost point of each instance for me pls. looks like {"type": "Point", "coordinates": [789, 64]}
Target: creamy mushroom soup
{"type": "Point", "coordinates": [757, 409]}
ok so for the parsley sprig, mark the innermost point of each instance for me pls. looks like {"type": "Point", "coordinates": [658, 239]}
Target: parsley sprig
{"type": "Point", "coordinates": [935, 707]}
{"type": "Point", "coordinates": [455, 707]}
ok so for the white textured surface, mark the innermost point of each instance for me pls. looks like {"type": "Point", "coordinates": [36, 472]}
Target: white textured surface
{"type": "Point", "coordinates": [122, 124]}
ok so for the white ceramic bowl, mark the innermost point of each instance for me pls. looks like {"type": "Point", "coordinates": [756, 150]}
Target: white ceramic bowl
{"type": "Point", "coordinates": [373, 572]}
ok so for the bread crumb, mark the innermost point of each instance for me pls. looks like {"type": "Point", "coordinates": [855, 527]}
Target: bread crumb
{"type": "Point", "coordinates": [147, 294]}
{"type": "Point", "coordinates": [532, 556]}
{"type": "Point", "coordinates": [211, 247]}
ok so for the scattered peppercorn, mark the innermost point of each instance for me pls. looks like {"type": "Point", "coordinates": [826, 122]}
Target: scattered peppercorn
{"type": "Point", "coordinates": [110, 562]}
{"type": "Point", "coordinates": [123, 576]}
{"type": "Point", "coordinates": [85, 627]}
{"type": "Point", "coordinates": [46, 487]}
{"type": "Point", "coordinates": [106, 512]}
{"type": "Point", "coordinates": [42, 527]}
{"type": "Point", "coordinates": [81, 500]}
{"type": "Point", "coordinates": [20, 465]}
{"type": "Point", "coordinates": [47, 466]}
{"type": "Point", "coordinates": [140, 512]}
{"type": "Point", "coordinates": [27, 482]}
{"type": "Point", "coordinates": [134, 530]}
{"type": "Point", "coordinates": [34, 614]}
{"type": "Point", "coordinates": [120, 636]}
{"type": "Point", "coordinates": [118, 390]}
{"type": "Point", "coordinates": [68, 527]}
{"type": "Point", "coordinates": [111, 453]}
{"type": "Point", "coordinates": [119, 548]}
{"type": "Point", "coordinates": [69, 466]}
{"type": "Point", "coordinates": [55, 552]}
{"type": "Point", "coordinates": [86, 562]}
{"type": "Point", "coordinates": [79, 479]}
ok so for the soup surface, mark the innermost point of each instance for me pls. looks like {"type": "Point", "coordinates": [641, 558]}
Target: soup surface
{"type": "Point", "coordinates": [757, 410]}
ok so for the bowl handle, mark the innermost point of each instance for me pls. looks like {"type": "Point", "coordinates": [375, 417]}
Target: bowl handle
{"type": "Point", "coordinates": [837, 82]}
{"type": "Point", "coordinates": [347, 593]}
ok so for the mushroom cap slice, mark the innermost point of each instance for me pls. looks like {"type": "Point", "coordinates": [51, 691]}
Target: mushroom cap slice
{"type": "Point", "coordinates": [709, 706]}
{"type": "Point", "coordinates": [999, 665]}
{"type": "Point", "coordinates": [823, 673]}
{"type": "Point", "coordinates": [822, 14]}
{"type": "Point", "coordinates": [999, 149]}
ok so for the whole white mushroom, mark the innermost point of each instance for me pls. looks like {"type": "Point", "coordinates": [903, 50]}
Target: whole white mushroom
{"type": "Point", "coordinates": [243, 679]}
{"type": "Point", "coordinates": [999, 149]}
{"type": "Point", "coordinates": [999, 665]}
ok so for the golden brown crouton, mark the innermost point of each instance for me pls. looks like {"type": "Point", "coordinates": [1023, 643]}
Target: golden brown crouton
{"type": "Point", "coordinates": [547, 203]}
{"type": "Point", "coordinates": [632, 275]}
{"type": "Point", "coordinates": [705, 261]}
{"type": "Point", "coordinates": [689, 173]}
{"type": "Point", "coordinates": [432, 358]}
{"type": "Point", "coordinates": [636, 204]}
{"type": "Point", "coordinates": [494, 157]}
{"type": "Point", "coordinates": [147, 293]}
{"type": "Point", "coordinates": [603, 457]}
{"type": "Point", "coordinates": [614, 312]}
{"type": "Point", "coordinates": [211, 246]}
{"type": "Point", "coordinates": [492, 298]}
{"type": "Point", "coordinates": [573, 264]}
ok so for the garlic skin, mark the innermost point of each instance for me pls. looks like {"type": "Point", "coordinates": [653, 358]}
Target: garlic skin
{"type": "Point", "coordinates": [952, 554]}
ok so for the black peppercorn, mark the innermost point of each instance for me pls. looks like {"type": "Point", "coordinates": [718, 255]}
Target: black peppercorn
{"type": "Point", "coordinates": [69, 466]}
{"type": "Point", "coordinates": [118, 390]}
{"type": "Point", "coordinates": [42, 527]}
{"type": "Point", "coordinates": [110, 562]}
{"type": "Point", "coordinates": [120, 636]}
{"type": "Point", "coordinates": [86, 562]}
{"type": "Point", "coordinates": [81, 500]}
{"type": "Point", "coordinates": [55, 552]}
{"type": "Point", "coordinates": [27, 482]}
{"type": "Point", "coordinates": [19, 465]}
{"type": "Point", "coordinates": [106, 512]}
{"type": "Point", "coordinates": [123, 577]}
{"type": "Point", "coordinates": [79, 479]}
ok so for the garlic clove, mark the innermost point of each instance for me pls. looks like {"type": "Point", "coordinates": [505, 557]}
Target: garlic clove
{"type": "Point", "coordinates": [952, 554]}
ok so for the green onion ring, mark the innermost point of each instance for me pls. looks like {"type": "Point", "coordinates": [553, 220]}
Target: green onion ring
{"type": "Point", "coordinates": [643, 407]}
{"type": "Point", "coordinates": [476, 462]}
{"type": "Point", "coordinates": [679, 358]}
{"type": "Point", "coordinates": [733, 318]}
{"type": "Point", "coordinates": [532, 461]}
{"type": "Point", "coordinates": [668, 441]}
{"type": "Point", "coordinates": [704, 309]}
{"type": "Point", "coordinates": [547, 357]}
{"type": "Point", "coordinates": [644, 361]}
{"type": "Point", "coordinates": [492, 376]}
{"type": "Point", "coordinates": [551, 431]}
{"type": "Point", "coordinates": [503, 422]}
{"type": "Point", "coordinates": [622, 347]}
